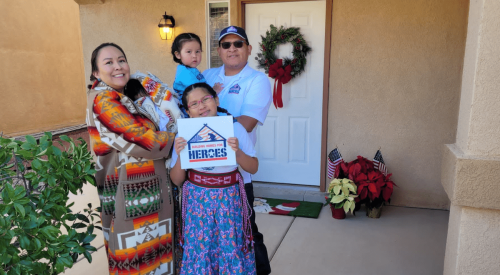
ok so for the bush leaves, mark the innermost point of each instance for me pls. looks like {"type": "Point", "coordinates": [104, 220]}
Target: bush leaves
{"type": "Point", "coordinates": [39, 233]}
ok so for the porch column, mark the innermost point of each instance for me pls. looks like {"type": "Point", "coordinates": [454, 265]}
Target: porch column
{"type": "Point", "coordinates": [471, 166]}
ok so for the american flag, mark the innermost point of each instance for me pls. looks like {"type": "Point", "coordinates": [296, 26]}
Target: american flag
{"type": "Point", "coordinates": [334, 158]}
{"type": "Point", "coordinates": [379, 164]}
{"type": "Point", "coordinates": [206, 134]}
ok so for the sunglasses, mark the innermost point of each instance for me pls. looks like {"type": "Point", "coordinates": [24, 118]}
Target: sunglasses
{"type": "Point", "coordinates": [237, 44]}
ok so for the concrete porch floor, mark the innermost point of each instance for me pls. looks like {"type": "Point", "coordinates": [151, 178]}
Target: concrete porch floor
{"type": "Point", "coordinates": [404, 241]}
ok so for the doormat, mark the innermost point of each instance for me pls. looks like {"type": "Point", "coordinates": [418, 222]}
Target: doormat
{"type": "Point", "coordinates": [287, 207]}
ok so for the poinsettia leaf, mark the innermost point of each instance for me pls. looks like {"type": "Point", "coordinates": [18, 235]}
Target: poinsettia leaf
{"type": "Point", "coordinates": [347, 205]}
{"type": "Point", "coordinates": [351, 187]}
{"type": "Point", "coordinates": [387, 194]}
{"type": "Point", "coordinates": [371, 196]}
{"type": "Point", "coordinates": [337, 170]}
{"type": "Point", "coordinates": [357, 168]}
{"type": "Point", "coordinates": [363, 193]}
{"type": "Point", "coordinates": [345, 190]}
{"type": "Point", "coordinates": [380, 182]}
{"type": "Point", "coordinates": [352, 208]}
{"type": "Point", "coordinates": [337, 199]}
{"type": "Point", "coordinates": [336, 189]}
{"type": "Point", "coordinates": [389, 184]}
{"type": "Point", "coordinates": [362, 184]}
{"type": "Point", "coordinates": [372, 188]}
{"type": "Point", "coordinates": [344, 167]}
{"type": "Point", "coordinates": [379, 191]}
{"type": "Point", "coordinates": [360, 177]}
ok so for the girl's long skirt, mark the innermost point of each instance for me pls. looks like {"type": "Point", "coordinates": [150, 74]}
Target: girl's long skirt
{"type": "Point", "coordinates": [213, 237]}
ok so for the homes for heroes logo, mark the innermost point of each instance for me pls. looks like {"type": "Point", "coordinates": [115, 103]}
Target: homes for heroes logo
{"type": "Point", "coordinates": [207, 145]}
{"type": "Point", "coordinates": [206, 142]}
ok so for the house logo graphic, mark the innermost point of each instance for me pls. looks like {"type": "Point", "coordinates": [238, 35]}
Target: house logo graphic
{"type": "Point", "coordinates": [207, 145]}
{"type": "Point", "coordinates": [235, 89]}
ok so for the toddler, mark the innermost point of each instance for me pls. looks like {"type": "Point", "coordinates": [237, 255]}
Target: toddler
{"type": "Point", "coordinates": [186, 50]}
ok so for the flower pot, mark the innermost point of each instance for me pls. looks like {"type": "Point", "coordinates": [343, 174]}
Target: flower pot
{"type": "Point", "coordinates": [374, 212]}
{"type": "Point", "coordinates": [338, 214]}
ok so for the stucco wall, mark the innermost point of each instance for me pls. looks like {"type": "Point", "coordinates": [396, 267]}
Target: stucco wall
{"type": "Point", "coordinates": [479, 117]}
{"type": "Point", "coordinates": [133, 25]}
{"type": "Point", "coordinates": [473, 243]}
{"type": "Point", "coordinates": [41, 68]}
{"type": "Point", "coordinates": [395, 83]}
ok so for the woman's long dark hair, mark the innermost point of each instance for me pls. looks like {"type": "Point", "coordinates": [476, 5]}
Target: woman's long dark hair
{"type": "Point", "coordinates": [93, 59]}
{"type": "Point", "coordinates": [205, 87]}
{"type": "Point", "coordinates": [180, 40]}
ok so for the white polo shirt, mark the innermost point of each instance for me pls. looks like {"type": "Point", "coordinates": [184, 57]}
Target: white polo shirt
{"type": "Point", "coordinates": [247, 93]}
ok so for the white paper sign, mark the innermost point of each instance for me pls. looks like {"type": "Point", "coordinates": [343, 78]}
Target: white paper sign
{"type": "Point", "coordinates": [206, 141]}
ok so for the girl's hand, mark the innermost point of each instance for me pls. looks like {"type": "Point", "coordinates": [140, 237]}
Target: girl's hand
{"type": "Point", "coordinates": [218, 87]}
{"type": "Point", "coordinates": [180, 144]}
{"type": "Point", "coordinates": [234, 143]}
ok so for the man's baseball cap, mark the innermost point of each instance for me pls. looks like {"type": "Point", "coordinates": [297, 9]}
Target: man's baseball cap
{"type": "Point", "coordinates": [233, 30]}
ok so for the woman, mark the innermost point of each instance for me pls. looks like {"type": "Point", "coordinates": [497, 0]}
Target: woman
{"type": "Point", "coordinates": [132, 181]}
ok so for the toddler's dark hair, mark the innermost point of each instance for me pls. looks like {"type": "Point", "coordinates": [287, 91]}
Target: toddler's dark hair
{"type": "Point", "coordinates": [180, 40]}
{"type": "Point", "coordinates": [134, 89]}
{"type": "Point", "coordinates": [205, 87]}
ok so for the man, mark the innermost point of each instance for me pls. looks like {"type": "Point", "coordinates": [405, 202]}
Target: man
{"type": "Point", "coordinates": [246, 94]}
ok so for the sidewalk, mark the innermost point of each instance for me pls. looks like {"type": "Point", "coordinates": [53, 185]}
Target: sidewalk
{"type": "Point", "coordinates": [403, 241]}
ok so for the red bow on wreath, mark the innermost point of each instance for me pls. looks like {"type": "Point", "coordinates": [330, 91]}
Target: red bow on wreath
{"type": "Point", "coordinates": [281, 76]}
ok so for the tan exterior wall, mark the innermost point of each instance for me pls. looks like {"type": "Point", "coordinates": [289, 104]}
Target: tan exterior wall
{"type": "Point", "coordinates": [395, 83]}
{"type": "Point", "coordinates": [133, 25]}
{"type": "Point", "coordinates": [473, 242]}
{"type": "Point", "coordinates": [41, 68]}
{"type": "Point", "coordinates": [470, 172]}
{"type": "Point", "coordinates": [479, 119]}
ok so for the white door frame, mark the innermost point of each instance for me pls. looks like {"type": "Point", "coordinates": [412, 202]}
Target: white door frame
{"type": "Point", "coordinates": [326, 73]}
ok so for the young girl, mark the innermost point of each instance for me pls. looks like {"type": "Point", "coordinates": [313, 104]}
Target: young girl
{"type": "Point", "coordinates": [186, 50]}
{"type": "Point", "coordinates": [217, 237]}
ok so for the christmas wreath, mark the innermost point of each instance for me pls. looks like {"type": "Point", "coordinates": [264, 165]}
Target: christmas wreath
{"type": "Point", "coordinates": [282, 70]}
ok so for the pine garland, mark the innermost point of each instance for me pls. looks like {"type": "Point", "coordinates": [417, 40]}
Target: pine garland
{"type": "Point", "coordinates": [275, 37]}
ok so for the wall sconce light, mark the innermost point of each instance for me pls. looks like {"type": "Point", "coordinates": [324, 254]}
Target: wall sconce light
{"type": "Point", "coordinates": [166, 29]}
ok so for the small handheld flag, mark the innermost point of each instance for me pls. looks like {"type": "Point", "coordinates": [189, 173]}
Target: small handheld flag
{"type": "Point", "coordinates": [379, 164]}
{"type": "Point", "coordinates": [334, 158]}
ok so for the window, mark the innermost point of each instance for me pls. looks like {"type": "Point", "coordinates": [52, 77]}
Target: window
{"type": "Point", "coordinates": [218, 19]}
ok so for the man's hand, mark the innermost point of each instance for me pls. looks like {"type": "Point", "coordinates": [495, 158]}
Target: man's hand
{"type": "Point", "coordinates": [248, 122]}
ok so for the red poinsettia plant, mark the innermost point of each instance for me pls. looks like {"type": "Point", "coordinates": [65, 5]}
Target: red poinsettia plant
{"type": "Point", "coordinates": [374, 188]}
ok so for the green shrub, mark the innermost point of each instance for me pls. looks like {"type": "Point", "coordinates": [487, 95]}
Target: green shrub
{"type": "Point", "coordinates": [39, 234]}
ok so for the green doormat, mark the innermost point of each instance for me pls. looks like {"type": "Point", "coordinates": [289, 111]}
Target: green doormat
{"type": "Point", "coordinates": [287, 207]}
